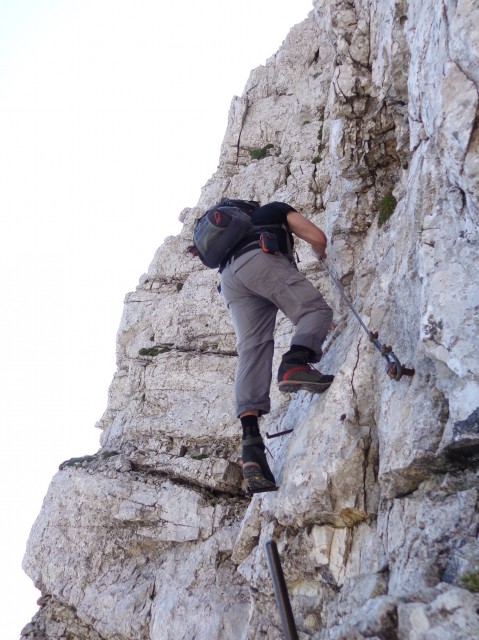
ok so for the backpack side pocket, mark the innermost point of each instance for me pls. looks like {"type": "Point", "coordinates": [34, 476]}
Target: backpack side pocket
{"type": "Point", "coordinates": [269, 242]}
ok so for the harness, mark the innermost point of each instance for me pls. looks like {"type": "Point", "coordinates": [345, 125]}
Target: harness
{"type": "Point", "coordinates": [253, 241]}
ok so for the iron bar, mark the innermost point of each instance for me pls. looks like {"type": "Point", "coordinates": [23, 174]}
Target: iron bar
{"type": "Point", "coordinates": [280, 591]}
{"type": "Point", "coordinates": [279, 433]}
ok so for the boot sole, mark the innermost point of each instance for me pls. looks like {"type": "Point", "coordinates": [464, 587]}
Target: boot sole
{"type": "Point", "coordinates": [251, 490]}
{"type": "Point", "coordinates": [313, 387]}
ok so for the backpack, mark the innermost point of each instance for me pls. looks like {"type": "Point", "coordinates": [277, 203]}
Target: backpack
{"type": "Point", "coordinates": [221, 228]}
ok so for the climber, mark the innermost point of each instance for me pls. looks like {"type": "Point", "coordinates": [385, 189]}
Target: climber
{"type": "Point", "coordinates": [256, 281]}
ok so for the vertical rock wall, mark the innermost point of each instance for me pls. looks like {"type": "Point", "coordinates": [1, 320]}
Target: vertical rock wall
{"type": "Point", "coordinates": [365, 121]}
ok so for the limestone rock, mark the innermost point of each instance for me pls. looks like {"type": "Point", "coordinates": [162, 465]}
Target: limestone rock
{"type": "Point", "coordinates": [450, 615]}
{"type": "Point", "coordinates": [366, 121]}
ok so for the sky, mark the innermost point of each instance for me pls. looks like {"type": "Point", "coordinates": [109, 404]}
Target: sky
{"type": "Point", "coordinates": [112, 113]}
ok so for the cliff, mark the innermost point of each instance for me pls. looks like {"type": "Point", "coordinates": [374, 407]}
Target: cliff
{"type": "Point", "coordinates": [365, 121]}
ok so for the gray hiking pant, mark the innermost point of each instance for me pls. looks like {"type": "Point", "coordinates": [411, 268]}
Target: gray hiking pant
{"type": "Point", "coordinates": [254, 287]}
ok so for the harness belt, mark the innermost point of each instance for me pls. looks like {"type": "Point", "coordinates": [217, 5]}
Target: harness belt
{"type": "Point", "coordinates": [240, 252]}
{"type": "Point", "coordinates": [248, 244]}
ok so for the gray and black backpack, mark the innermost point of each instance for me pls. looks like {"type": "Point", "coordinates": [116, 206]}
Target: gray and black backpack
{"type": "Point", "coordinates": [221, 228]}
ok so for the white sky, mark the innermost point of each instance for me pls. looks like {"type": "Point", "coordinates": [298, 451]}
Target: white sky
{"type": "Point", "coordinates": [112, 114]}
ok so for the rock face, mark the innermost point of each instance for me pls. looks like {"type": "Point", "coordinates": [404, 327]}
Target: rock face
{"type": "Point", "coordinates": [366, 121]}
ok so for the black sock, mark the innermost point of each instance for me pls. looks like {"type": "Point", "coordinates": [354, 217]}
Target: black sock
{"type": "Point", "coordinates": [250, 426]}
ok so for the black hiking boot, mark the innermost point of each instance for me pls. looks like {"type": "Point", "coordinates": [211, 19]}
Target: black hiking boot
{"type": "Point", "coordinates": [256, 470]}
{"type": "Point", "coordinates": [296, 374]}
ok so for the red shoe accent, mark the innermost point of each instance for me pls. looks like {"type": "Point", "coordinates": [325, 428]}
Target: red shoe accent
{"type": "Point", "coordinates": [289, 371]}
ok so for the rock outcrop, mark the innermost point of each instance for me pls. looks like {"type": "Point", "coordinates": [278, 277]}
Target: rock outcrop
{"type": "Point", "coordinates": [366, 120]}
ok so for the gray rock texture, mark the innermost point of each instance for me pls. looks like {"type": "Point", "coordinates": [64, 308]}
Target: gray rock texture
{"type": "Point", "coordinates": [366, 121]}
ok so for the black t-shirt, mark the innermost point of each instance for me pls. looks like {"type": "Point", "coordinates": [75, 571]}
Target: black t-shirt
{"type": "Point", "coordinates": [274, 213]}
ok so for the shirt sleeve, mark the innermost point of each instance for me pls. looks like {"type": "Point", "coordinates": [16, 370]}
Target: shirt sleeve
{"type": "Point", "coordinates": [272, 213]}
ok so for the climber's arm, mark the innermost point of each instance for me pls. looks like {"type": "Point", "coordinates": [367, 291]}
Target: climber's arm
{"type": "Point", "coordinates": [309, 232]}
